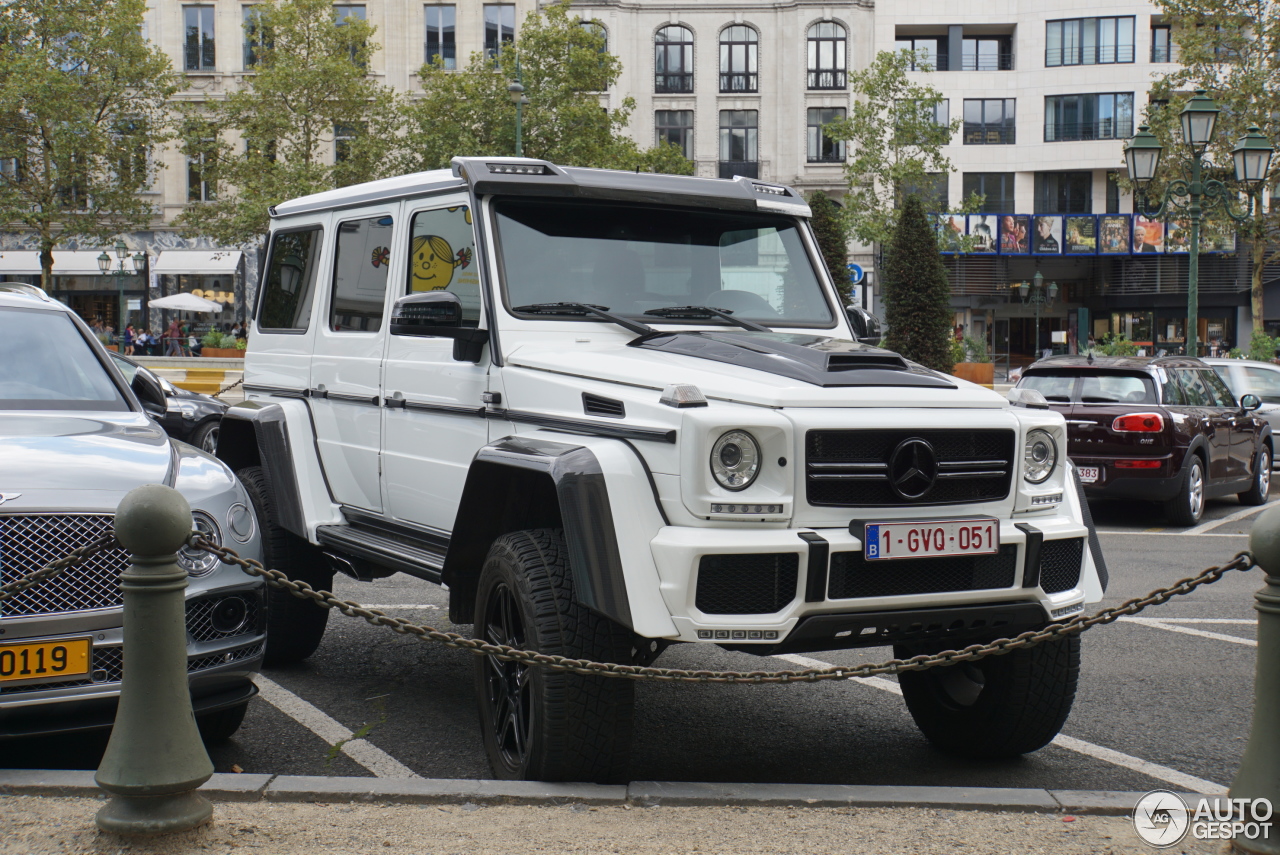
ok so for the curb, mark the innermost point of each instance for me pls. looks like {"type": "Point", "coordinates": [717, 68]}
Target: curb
{"type": "Point", "coordinates": [297, 788]}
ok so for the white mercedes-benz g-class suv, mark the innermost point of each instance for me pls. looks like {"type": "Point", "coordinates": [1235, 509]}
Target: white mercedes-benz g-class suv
{"type": "Point", "coordinates": [612, 411]}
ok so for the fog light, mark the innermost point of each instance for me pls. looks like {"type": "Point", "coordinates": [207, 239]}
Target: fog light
{"type": "Point", "coordinates": [1047, 499]}
{"type": "Point", "coordinates": [229, 615]}
{"type": "Point", "coordinates": [746, 509]}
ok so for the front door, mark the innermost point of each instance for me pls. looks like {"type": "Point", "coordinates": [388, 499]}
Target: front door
{"type": "Point", "coordinates": [1242, 428]}
{"type": "Point", "coordinates": [433, 422]}
{"type": "Point", "coordinates": [1202, 406]}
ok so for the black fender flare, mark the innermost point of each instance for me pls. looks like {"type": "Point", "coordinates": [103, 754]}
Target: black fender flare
{"type": "Point", "coordinates": [254, 434]}
{"type": "Point", "coordinates": [1198, 445]}
{"type": "Point", "coordinates": [520, 483]}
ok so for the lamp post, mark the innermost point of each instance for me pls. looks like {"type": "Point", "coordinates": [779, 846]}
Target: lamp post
{"type": "Point", "coordinates": [104, 265]}
{"type": "Point", "coordinates": [1038, 297]}
{"type": "Point", "coordinates": [516, 89]}
{"type": "Point", "coordinates": [1252, 156]}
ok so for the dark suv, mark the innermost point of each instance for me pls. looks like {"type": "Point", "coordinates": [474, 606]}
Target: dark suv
{"type": "Point", "coordinates": [1165, 430]}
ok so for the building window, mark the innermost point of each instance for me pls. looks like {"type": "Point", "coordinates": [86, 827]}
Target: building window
{"type": "Point", "coordinates": [739, 138]}
{"type": "Point", "coordinates": [499, 27]}
{"type": "Point", "coordinates": [198, 188]}
{"type": "Point", "coordinates": [260, 148]}
{"type": "Point", "coordinates": [826, 56]}
{"type": "Point", "coordinates": [673, 60]}
{"type": "Point", "coordinates": [341, 14]}
{"type": "Point", "coordinates": [933, 192]}
{"type": "Point", "coordinates": [930, 51]}
{"type": "Point", "coordinates": [597, 29]}
{"type": "Point", "coordinates": [922, 122]}
{"type": "Point", "coordinates": [441, 34]}
{"type": "Point", "coordinates": [676, 127]}
{"type": "Point", "coordinates": [989, 121]}
{"type": "Point", "coordinates": [996, 187]}
{"type": "Point", "coordinates": [1113, 192]}
{"type": "Point", "coordinates": [1162, 49]}
{"type": "Point", "coordinates": [343, 138]}
{"type": "Point", "coordinates": [987, 53]}
{"type": "Point", "coordinates": [822, 148]}
{"type": "Point", "coordinates": [1088, 41]}
{"type": "Point", "coordinates": [739, 58]}
{"type": "Point", "coordinates": [10, 170]}
{"type": "Point", "coordinates": [198, 49]}
{"type": "Point", "coordinates": [255, 36]}
{"type": "Point", "coordinates": [1105, 116]}
{"type": "Point", "coordinates": [1064, 192]}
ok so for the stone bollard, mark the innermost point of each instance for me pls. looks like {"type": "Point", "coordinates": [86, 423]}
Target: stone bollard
{"type": "Point", "coordinates": [1259, 775]}
{"type": "Point", "coordinates": [155, 759]}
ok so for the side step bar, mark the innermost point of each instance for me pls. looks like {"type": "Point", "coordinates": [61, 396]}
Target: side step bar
{"type": "Point", "coordinates": [416, 559]}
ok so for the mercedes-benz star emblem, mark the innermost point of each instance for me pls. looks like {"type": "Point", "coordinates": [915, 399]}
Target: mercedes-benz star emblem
{"type": "Point", "coordinates": [4, 497]}
{"type": "Point", "coordinates": [913, 467]}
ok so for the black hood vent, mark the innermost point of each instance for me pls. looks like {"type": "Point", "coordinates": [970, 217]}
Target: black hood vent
{"type": "Point", "coordinates": [813, 359]}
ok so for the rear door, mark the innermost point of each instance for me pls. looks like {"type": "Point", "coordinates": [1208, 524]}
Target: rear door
{"type": "Point", "coordinates": [1202, 408]}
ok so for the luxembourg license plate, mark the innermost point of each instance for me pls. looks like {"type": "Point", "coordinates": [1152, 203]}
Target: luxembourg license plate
{"type": "Point", "coordinates": [883, 541]}
{"type": "Point", "coordinates": [44, 661]}
{"type": "Point", "coordinates": [1088, 474]}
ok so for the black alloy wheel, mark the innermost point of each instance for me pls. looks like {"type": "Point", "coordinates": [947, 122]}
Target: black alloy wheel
{"type": "Point", "coordinates": [507, 684]}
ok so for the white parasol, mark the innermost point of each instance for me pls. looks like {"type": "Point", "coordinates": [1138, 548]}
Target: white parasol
{"type": "Point", "coordinates": [186, 303]}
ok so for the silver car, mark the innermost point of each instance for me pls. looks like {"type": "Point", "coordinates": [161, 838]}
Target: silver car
{"type": "Point", "coordinates": [1247, 376]}
{"type": "Point", "coordinates": [74, 438]}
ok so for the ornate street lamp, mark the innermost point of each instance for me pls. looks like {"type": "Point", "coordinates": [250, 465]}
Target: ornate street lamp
{"type": "Point", "coordinates": [516, 90]}
{"type": "Point", "coordinates": [104, 265]}
{"type": "Point", "coordinates": [1035, 293]}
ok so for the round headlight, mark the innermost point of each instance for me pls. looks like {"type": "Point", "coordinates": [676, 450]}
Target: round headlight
{"type": "Point", "coordinates": [735, 460]}
{"type": "Point", "coordinates": [197, 562]}
{"type": "Point", "coordinates": [1040, 457]}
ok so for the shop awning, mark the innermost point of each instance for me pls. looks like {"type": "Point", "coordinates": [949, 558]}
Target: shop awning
{"type": "Point", "coordinates": [200, 262]}
{"type": "Point", "coordinates": [66, 262]}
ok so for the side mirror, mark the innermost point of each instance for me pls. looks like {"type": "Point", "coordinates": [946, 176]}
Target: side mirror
{"type": "Point", "coordinates": [1249, 402]}
{"type": "Point", "coordinates": [438, 314]}
{"type": "Point", "coordinates": [149, 393]}
{"type": "Point", "coordinates": [867, 328]}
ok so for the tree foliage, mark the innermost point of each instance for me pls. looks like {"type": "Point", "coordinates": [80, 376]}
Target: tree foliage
{"type": "Point", "coordinates": [277, 136]}
{"type": "Point", "coordinates": [916, 291]}
{"type": "Point", "coordinates": [563, 67]}
{"type": "Point", "coordinates": [833, 239]}
{"type": "Point", "coordinates": [1231, 48]}
{"type": "Point", "coordinates": [82, 107]}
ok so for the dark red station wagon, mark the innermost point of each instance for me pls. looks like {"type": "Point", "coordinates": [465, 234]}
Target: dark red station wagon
{"type": "Point", "coordinates": [1164, 430]}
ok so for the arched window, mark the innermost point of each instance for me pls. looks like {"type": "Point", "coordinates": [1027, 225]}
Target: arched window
{"type": "Point", "coordinates": [739, 59]}
{"type": "Point", "coordinates": [673, 60]}
{"type": "Point", "coordinates": [597, 29]}
{"type": "Point", "coordinates": [826, 56]}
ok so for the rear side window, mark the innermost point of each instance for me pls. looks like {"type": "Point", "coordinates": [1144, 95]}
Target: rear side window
{"type": "Point", "coordinates": [1193, 388]}
{"type": "Point", "coordinates": [290, 281]}
{"type": "Point", "coordinates": [360, 275]}
{"type": "Point", "coordinates": [48, 365]}
{"type": "Point", "coordinates": [1218, 389]}
{"type": "Point", "coordinates": [442, 258]}
{"type": "Point", "coordinates": [1171, 392]}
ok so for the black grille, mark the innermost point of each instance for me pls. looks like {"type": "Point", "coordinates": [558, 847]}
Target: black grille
{"type": "Point", "coordinates": [850, 468]}
{"type": "Point", "coordinates": [30, 541]}
{"type": "Point", "coordinates": [200, 617]}
{"type": "Point", "coordinates": [107, 666]}
{"type": "Point", "coordinates": [853, 576]}
{"type": "Point", "coordinates": [747, 584]}
{"type": "Point", "coordinates": [1060, 564]}
{"type": "Point", "coordinates": [595, 405]}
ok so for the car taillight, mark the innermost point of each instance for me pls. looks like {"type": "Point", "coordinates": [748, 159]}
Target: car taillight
{"type": "Point", "coordinates": [1137, 464]}
{"type": "Point", "coordinates": [1138, 423]}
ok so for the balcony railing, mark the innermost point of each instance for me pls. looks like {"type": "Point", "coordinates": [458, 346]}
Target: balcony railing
{"type": "Point", "coordinates": [988, 135]}
{"type": "Point", "coordinates": [730, 168]}
{"type": "Point", "coordinates": [1002, 61]}
{"type": "Point", "coordinates": [827, 79]}
{"type": "Point", "coordinates": [1105, 129]}
{"type": "Point", "coordinates": [1054, 57]}
{"type": "Point", "coordinates": [739, 82]}
{"type": "Point", "coordinates": [669, 83]}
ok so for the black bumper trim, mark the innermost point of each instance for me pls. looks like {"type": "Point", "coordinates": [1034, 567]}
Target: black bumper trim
{"type": "Point", "coordinates": [1031, 555]}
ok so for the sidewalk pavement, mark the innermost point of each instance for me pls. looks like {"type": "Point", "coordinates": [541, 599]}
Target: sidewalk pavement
{"type": "Point", "coordinates": [52, 812]}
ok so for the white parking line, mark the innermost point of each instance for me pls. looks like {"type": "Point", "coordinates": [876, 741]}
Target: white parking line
{"type": "Point", "coordinates": [1186, 630]}
{"type": "Point", "coordinates": [1153, 770]}
{"type": "Point", "coordinates": [1175, 533]}
{"type": "Point", "coordinates": [1238, 515]}
{"type": "Point", "coordinates": [368, 755]}
{"type": "Point", "coordinates": [401, 606]}
{"type": "Point", "coordinates": [1249, 621]}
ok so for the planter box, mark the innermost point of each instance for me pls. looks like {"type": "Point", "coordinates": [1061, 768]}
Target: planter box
{"type": "Point", "coordinates": [982, 373]}
{"type": "Point", "coordinates": [114, 347]}
{"type": "Point", "coordinates": [222, 352]}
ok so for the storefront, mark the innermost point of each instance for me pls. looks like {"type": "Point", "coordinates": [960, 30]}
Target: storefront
{"type": "Point", "coordinates": [98, 298]}
{"type": "Point", "coordinates": [216, 275]}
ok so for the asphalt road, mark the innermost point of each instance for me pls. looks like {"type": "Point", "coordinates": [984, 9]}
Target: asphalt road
{"type": "Point", "coordinates": [1160, 703]}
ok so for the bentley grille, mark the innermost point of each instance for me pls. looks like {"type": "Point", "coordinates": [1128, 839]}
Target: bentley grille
{"type": "Point", "coordinates": [31, 541]}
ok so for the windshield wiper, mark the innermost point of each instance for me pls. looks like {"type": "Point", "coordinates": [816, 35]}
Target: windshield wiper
{"type": "Point", "coordinates": [586, 309]}
{"type": "Point", "coordinates": [706, 312]}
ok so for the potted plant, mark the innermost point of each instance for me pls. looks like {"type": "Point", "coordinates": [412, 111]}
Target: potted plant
{"type": "Point", "coordinates": [220, 346]}
{"type": "Point", "coordinates": [973, 363]}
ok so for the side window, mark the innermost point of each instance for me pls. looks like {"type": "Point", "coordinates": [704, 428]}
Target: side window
{"type": "Point", "coordinates": [1170, 391]}
{"type": "Point", "coordinates": [442, 257]}
{"type": "Point", "coordinates": [360, 275]}
{"type": "Point", "coordinates": [1218, 390]}
{"type": "Point", "coordinates": [1263, 383]}
{"type": "Point", "coordinates": [1193, 388]}
{"type": "Point", "coordinates": [290, 280]}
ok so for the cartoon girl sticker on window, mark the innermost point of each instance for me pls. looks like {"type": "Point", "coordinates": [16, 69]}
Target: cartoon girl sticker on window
{"type": "Point", "coordinates": [432, 262]}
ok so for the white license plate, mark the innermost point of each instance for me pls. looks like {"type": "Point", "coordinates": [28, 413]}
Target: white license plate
{"type": "Point", "coordinates": [883, 541]}
{"type": "Point", "coordinates": [1088, 474]}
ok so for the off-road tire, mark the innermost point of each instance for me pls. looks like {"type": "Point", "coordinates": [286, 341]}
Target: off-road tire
{"type": "Point", "coordinates": [1260, 486]}
{"type": "Point", "coordinates": [221, 725]}
{"type": "Point", "coordinates": [294, 626]}
{"type": "Point", "coordinates": [1182, 509]}
{"type": "Point", "coordinates": [1023, 700]}
{"type": "Point", "coordinates": [575, 727]}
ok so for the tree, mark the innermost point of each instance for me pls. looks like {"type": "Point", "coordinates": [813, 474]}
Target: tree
{"type": "Point", "coordinates": [916, 291]}
{"type": "Point", "coordinates": [895, 140]}
{"type": "Point", "coordinates": [82, 107]}
{"type": "Point", "coordinates": [563, 66]}
{"type": "Point", "coordinates": [1229, 48]}
{"type": "Point", "coordinates": [309, 119]}
{"type": "Point", "coordinates": [833, 239]}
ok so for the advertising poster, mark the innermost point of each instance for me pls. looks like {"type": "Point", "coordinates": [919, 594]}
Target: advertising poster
{"type": "Point", "coordinates": [1148, 235]}
{"type": "Point", "coordinates": [1082, 235]}
{"type": "Point", "coordinates": [950, 231]}
{"type": "Point", "coordinates": [1113, 234]}
{"type": "Point", "coordinates": [1177, 235]}
{"type": "Point", "coordinates": [982, 232]}
{"type": "Point", "coordinates": [1047, 239]}
{"type": "Point", "coordinates": [1217, 235]}
{"type": "Point", "coordinates": [1015, 234]}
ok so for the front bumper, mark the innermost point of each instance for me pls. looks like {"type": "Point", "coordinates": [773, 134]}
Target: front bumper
{"type": "Point", "coordinates": [1004, 594]}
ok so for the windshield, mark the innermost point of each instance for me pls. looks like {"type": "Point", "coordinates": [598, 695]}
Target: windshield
{"type": "Point", "coordinates": [1084, 387]}
{"type": "Point", "coordinates": [631, 260]}
{"type": "Point", "coordinates": [48, 365]}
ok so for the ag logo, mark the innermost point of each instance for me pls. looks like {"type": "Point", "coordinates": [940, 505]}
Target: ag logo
{"type": "Point", "coordinates": [1161, 818]}
{"type": "Point", "coordinates": [5, 497]}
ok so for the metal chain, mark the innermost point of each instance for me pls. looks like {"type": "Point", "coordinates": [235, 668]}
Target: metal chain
{"type": "Point", "coordinates": [228, 387]}
{"type": "Point", "coordinates": [1078, 624]}
{"type": "Point", "coordinates": [44, 574]}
